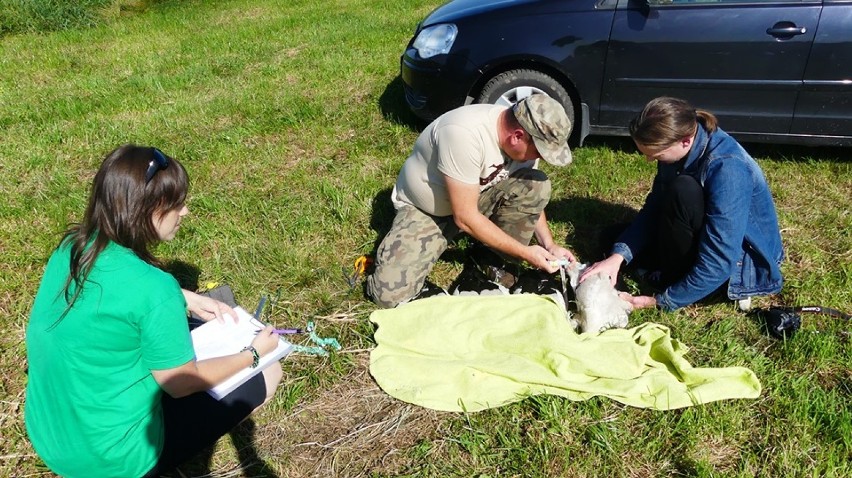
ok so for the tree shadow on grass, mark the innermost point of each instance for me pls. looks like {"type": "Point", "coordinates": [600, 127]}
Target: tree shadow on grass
{"type": "Point", "coordinates": [621, 144]}
{"type": "Point", "coordinates": [185, 273]}
{"type": "Point", "coordinates": [768, 151]}
{"type": "Point", "coordinates": [591, 221]}
{"type": "Point", "coordinates": [791, 152]}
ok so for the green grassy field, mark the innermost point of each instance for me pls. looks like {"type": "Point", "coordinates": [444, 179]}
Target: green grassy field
{"type": "Point", "coordinates": [290, 119]}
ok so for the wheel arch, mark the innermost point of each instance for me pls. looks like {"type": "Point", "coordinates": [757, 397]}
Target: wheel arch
{"type": "Point", "coordinates": [539, 64]}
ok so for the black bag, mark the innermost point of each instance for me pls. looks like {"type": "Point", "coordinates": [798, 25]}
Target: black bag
{"type": "Point", "coordinates": [779, 322]}
{"type": "Point", "coordinates": [783, 322]}
{"type": "Point", "coordinates": [223, 293]}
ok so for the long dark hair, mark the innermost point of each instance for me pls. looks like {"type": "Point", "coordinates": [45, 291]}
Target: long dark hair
{"type": "Point", "coordinates": [665, 121]}
{"type": "Point", "coordinates": [132, 184]}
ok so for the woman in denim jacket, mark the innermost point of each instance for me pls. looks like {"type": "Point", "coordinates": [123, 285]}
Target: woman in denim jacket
{"type": "Point", "coordinates": [709, 221]}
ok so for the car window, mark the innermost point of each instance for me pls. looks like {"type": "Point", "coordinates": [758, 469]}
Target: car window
{"type": "Point", "coordinates": [743, 60]}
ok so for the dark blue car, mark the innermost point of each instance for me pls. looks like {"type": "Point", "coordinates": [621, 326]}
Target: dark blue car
{"type": "Point", "coordinates": [772, 71]}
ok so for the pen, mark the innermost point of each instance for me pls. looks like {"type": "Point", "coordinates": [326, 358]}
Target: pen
{"type": "Point", "coordinates": [286, 331]}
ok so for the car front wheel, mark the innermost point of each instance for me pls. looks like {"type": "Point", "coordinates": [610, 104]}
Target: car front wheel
{"type": "Point", "coordinates": [512, 86]}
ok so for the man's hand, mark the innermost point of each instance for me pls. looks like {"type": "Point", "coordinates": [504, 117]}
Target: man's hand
{"type": "Point", "coordinates": [464, 201]}
{"type": "Point", "coordinates": [540, 258]}
{"type": "Point", "coordinates": [545, 238]}
{"type": "Point", "coordinates": [207, 308]}
{"type": "Point", "coordinates": [608, 266]}
{"type": "Point", "coordinates": [562, 253]}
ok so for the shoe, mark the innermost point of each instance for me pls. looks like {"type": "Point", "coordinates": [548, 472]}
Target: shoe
{"type": "Point", "coordinates": [535, 281]}
{"type": "Point", "coordinates": [538, 282]}
{"type": "Point", "coordinates": [472, 281]}
{"type": "Point", "coordinates": [744, 304]}
{"type": "Point", "coordinates": [649, 276]}
{"type": "Point", "coordinates": [500, 276]}
{"type": "Point", "coordinates": [429, 290]}
{"type": "Point", "coordinates": [493, 267]}
{"type": "Point", "coordinates": [653, 279]}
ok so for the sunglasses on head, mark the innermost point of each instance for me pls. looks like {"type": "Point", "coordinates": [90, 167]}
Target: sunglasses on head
{"type": "Point", "coordinates": [159, 162]}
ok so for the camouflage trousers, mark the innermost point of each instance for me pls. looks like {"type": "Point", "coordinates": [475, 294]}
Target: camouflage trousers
{"type": "Point", "coordinates": [416, 240]}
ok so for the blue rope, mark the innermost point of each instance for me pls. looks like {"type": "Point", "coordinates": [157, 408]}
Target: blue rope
{"type": "Point", "coordinates": [321, 344]}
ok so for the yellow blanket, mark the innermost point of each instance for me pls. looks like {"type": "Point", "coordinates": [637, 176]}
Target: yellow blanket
{"type": "Point", "coordinates": [470, 353]}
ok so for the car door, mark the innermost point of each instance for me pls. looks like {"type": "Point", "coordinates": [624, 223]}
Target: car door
{"type": "Point", "coordinates": [824, 107]}
{"type": "Point", "coordinates": [742, 60]}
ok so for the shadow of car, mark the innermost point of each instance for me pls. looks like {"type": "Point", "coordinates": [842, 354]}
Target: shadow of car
{"type": "Point", "coordinates": [773, 72]}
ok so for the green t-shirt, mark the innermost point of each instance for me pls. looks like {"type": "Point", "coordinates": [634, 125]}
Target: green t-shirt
{"type": "Point", "coordinates": [92, 407]}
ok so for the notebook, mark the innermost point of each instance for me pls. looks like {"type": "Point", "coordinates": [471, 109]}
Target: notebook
{"type": "Point", "coordinates": [215, 339]}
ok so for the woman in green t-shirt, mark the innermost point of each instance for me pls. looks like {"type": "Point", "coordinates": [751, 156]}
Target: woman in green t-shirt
{"type": "Point", "coordinates": [108, 335]}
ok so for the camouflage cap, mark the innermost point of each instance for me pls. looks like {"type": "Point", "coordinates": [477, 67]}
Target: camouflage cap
{"type": "Point", "coordinates": [545, 120]}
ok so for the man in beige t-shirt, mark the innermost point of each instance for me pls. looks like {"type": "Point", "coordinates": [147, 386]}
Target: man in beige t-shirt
{"type": "Point", "coordinates": [473, 170]}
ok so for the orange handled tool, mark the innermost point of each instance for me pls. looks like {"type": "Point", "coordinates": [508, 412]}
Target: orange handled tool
{"type": "Point", "coordinates": [360, 268]}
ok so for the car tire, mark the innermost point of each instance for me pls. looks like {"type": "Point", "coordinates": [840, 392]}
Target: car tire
{"type": "Point", "coordinates": [509, 87]}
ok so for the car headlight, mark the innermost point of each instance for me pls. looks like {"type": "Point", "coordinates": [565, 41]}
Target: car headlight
{"type": "Point", "coordinates": [435, 40]}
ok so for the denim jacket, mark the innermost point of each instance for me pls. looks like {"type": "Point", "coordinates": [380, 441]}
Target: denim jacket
{"type": "Point", "coordinates": [740, 242]}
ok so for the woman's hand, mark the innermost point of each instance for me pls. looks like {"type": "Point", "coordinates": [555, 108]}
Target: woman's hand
{"type": "Point", "coordinates": [207, 308]}
{"type": "Point", "coordinates": [608, 266]}
{"type": "Point", "coordinates": [639, 301]}
{"type": "Point", "coordinates": [265, 341]}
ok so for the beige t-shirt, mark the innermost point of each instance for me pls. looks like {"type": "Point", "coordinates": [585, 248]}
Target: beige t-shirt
{"type": "Point", "coordinates": [461, 144]}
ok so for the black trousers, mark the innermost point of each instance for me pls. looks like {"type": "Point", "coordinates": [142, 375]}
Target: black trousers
{"type": "Point", "coordinates": [679, 228]}
{"type": "Point", "coordinates": [195, 422]}
{"type": "Point", "coordinates": [675, 233]}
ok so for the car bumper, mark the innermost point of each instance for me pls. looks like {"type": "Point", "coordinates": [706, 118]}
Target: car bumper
{"type": "Point", "coordinates": [435, 87]}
